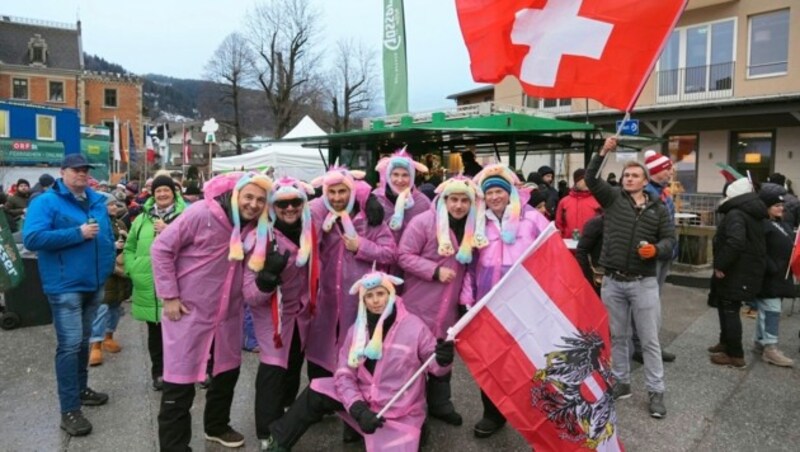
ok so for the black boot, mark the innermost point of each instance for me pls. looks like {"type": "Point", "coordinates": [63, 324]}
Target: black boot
{"type": "Point", "coordinates": [440, 405]}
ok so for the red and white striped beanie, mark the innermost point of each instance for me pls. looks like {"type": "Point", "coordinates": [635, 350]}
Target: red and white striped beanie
{"type": "Point", "coordinates": [656, 162]}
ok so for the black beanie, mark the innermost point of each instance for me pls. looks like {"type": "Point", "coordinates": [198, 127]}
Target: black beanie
{"type": "Point", "coordinates": [545, 170]}
{"type": "Point", "coordinates": [23, 181]}
{"type": "Point", "coordinates": [163, 180]}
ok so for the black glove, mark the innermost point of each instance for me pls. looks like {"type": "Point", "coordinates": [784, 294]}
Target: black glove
{"type": "Point", "coordinates": [374, 211]}
{"type": "Point", "coordinates": [445, 352]}
{"type": "Point", "coordinates": [270, 276]}
{"type": "Point", "coordinates": [367, 419]}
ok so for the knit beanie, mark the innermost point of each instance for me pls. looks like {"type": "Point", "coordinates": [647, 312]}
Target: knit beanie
{"type": "Point", "coordinates": [163, 180]}
{"type": "Point", "coordinates": [545, 170]}
{"type": "Point", "coordinates": [23, 182]}
{"type": "Point", "coordinates": [656, 162]}
{"type": "Point", "coordinates": [400, 159]}
{"type": "Point", "coordinates": [335, 176]}
{"type": "Point", "coordinates": [46, 180]}
{"type": "Point", "coordinates": [501, 176]}
{"type": "Point", "coordinates": [737, 188]}
{"type": "Point", "coordinates": [360, 348]}
{"type": "Point", "coordinates": [465, 185]}
{"type": "Point", "coordinates": [771, 193]}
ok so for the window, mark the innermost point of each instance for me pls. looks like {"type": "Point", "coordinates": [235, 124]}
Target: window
{"type": "Point", "coordinates": [37, 50]}
{"type": "Point", "coordinates": [561, 104]}
{"type": "Point", "coordinates": [769, 44]}
{"type": "Point", "coordinates": [683, 153]}
{"type": "Point", "coordinates": [38, 55]}
{"type": "Point", "coordinates": [110, 98]}
{"type": "Point", "coordinates": [110, 125]}
{"type": "Point", "coordinates": [19, 88]}
{"type": "Point", "coordinates": [4, 123]}
{"type": "Point", "coordinates": [753, 151]}
{"type": "Point", "coordinates": [56, 90]}
{"type": "Point", "coordinates": [45, 127]}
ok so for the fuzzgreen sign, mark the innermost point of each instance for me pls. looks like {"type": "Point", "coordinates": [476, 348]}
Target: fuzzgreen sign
{"type": "Point", "coordinates": [11, 269]}
{"type": "Point", "coordinates": [15, 151]}
{"type": "Point", "coordinates": [395, 74]}
{"type": "Point", "coordinates": [95, 145]}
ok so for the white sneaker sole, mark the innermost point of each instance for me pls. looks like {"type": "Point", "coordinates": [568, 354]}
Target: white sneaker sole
{"type": "Point", "coordinates": [225, 443]}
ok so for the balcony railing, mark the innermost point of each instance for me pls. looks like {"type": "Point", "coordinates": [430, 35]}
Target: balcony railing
{"type": "Point", "coordinates": [698, 83]}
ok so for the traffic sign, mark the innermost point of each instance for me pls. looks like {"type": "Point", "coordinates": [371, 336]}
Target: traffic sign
{"type": "Point", "coordinates": [631, 127]}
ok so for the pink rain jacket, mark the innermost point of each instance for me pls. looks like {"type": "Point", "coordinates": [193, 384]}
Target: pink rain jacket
{"type": "Point", "coordinates": [434, 302]}
{"type": "Point", "coordinates": [296, 312]}
{"type": "Point", "coordinates": [421, 204]}
{"type": "Point", "coordinates": [496, 258]}
{"type": "Point", "coordinates": [190, 262]}
{"type": "Point", "coordinates": [339, 270]}
{"type": "Point", "coordinates": [408, 344]}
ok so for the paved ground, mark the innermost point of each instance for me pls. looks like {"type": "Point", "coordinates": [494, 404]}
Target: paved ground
{"type": "Point", "coordinates": [710, 408]}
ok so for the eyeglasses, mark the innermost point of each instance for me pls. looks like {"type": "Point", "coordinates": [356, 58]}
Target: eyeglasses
{"type": "Point", "coordinates": [284, 203]}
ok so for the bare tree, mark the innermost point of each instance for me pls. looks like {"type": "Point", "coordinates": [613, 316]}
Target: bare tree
{"type": "Point", "coordinates": [352, 83]}
{"type": "Point", "coordinates": [282, 33]}
{"type": "Point", "coordinates": [231, 66]}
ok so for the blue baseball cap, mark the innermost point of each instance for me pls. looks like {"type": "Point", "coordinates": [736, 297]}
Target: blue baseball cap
{"type": "Point", "coordinates": [75, 161]}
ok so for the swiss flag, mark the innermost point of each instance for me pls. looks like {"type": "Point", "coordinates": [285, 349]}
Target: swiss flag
{"type": "Point", "coordinates": [794, 263]}
{"type": "Point", "coordinates": [600, 49]}
{"type": "Point", "coordinates": [539, 346]}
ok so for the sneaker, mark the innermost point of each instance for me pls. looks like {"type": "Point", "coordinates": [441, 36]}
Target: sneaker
{"type": "Point", "coordinates": [657, 408]}
{"type": "Point", "coordinates": [774, 356]}
{"type": "Point", "coordinates": [75, 424]}
{"type": "Point", "coordinates": [230, 438]}
{"type": "Point", "coordinates": [622, 391]}
{"type": "Point", "coordinates": [719, 348]}
{"type": "Point", "coordinates": [722, 359]}
{"type": "Point", "coordinates": [486, 428]}
{"type": "Point", "coordinates": [270, 445]}
{"type": "Point", "coordinates": [91, 398]}
{"type": "Point", "coordinates": [452, 418]}
{"type": "Point", "coordinates": [667, 357]}
{"type": "Point", "coordinates": [758, 347]}
{"type": "Point", "coordinates": [158, 383]}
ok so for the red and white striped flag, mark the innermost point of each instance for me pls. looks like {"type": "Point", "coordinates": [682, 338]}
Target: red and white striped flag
{"type": "Point", "coordinates": [539, 346]}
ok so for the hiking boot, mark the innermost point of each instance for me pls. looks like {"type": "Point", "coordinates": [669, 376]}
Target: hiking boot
{"type": "Point", "coordinates": [95, 354]}
{"type": "Point", "coordinates": [452, 418]}
{"type": "Point", "coordinates": [719, 348]}
{"type": "Point", "coordinates": [758, 347]}
{"type": "Point", "coordinates": [110, 345]}
{"type": "Point", "coordinates": [75, 424]}
{"type": "Point", "coordinates": [773, 355]}
{"type": "Point", "coordinates": [91, 398]}
{"type": "Point", "coordinates": [158, 383]}
{"type": "Point", "coordinates": [667, 357]}
{"type": "Point", "coordinates": [230, 438]}
{"type": "Point", "coordinates": [657, 408]}
{"type": "Point", "coordinates": [621, 391]}
{"type": "Point", "coordinates": [722, 359]}
{"type": "Point", "coordinates": [349, 434]}
{"type": "Point", "coordinates": [486, 428]}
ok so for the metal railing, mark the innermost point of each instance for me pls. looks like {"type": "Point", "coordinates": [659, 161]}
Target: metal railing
{"type": "Point", "coordinates": [698, 83]}
{"type": "Point", "coordinates": [697, 209]}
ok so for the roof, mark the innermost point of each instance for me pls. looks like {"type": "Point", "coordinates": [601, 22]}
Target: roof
{"type": "Point", "coordinates": [480, 89]}
{"type": "Point", "coordinates": [63, 42]}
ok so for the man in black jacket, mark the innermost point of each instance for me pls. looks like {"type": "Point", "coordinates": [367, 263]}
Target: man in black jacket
{"type": "Point", "coordinates": [636, 230]}
{"type": "Point", "coordinates": [740, 255]}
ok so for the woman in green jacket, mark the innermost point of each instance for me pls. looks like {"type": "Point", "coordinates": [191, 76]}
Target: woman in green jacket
{"type": "Point", "coordinates": [159, 211]}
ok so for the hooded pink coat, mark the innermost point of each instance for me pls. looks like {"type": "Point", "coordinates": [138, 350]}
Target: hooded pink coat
{"type": "Point", "coordinates": [190, 262]}
{"type": "Point", "coordinates": [496, 258]}
{"type": "Point", "coordinates": [339, 270]}
{"type": "Point", "coordinates": [406, 347]}
{"type": "Point", "coordinates": [432, 301]}
{"type": "Point", "coordinates": [421, 204]}
{"type": "Point", "coordinates": [296, 312]}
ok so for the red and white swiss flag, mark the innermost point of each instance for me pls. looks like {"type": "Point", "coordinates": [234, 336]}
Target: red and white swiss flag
{"type": "Point", "coordinates": [600, 49]}
{"type": "Point", "coordinates": [794, 262]}
{"type": "Point", "coordinates": [538, 345]}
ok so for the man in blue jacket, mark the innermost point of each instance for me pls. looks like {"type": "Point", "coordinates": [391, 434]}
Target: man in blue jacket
{"type": "Point", "coordinates": [70, 230]}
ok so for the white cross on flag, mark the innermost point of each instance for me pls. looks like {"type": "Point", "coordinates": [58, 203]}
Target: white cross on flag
{"type": "Point", "coordinates": [600, 49]}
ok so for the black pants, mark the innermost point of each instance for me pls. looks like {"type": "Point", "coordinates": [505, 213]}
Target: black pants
{"type": "Point", "coordinates": [276, 387]}
{"type": "Point", "coordinates": [175, 420]}
{"type": "Point", "coordinates": [306, 411]}
{"type": "Point", "coordinates": [155, 346]}
{"type": "Point", "coordinates": [438, 394]}
{"type": "Point", "coordinates": [730, 327]}
{"type": "Point", "coordinates": [317, 371]}
{"type": "Point", "coordinates": [490, 411]}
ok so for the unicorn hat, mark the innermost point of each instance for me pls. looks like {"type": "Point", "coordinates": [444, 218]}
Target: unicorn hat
{"type": "Point", "coordinates": [360, 348]}
{"type": "Point", "coordinates": [465, 185]}
{"type": "Point", "coordinates": [335, 176]}
{"type": "Point", "coordinates": [400, 159]}
{"type": "Point", "coordinates": [499, 176]}
{"type": "Point", "coordinates": [290, 188]}
{"type": "Point", "coordinates": [236, 247]}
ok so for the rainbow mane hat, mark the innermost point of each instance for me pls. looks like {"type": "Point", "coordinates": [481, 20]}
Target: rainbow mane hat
{"type": "Point", "coordinates": [335, 176]}
{"type": "Point", "coordinates": [360, 348]}
{"type": "Point", "coordinates": [465, 185]}
{"type": "Point", "coordinates": [497, 175]}
{"type": "Point", "coordinates": [236, 248]}
{"type": "Point", "coordinates": [400, 159]}
{"type": "Point", "coordinates": [291, 188]}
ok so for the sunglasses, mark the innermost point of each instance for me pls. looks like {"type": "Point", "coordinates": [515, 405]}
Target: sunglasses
{"type": "Point", "coordinates": [284, 203]}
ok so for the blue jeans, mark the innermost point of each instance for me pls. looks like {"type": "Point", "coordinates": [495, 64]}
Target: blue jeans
{"type": "Point", "coordinates": [249, 341]}
{"type": "Point", "coordinates": [105, 321]}
{"type": "Point", "coordinates": [769, 317]}
{"type": "Point", "coordinates": [73, 314]}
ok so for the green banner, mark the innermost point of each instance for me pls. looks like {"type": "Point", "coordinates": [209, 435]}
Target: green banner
{"type": "Point", "coordinates": [13, 271]}
{"type": "Point", "coordinates": [14, 151]}
{"type": "Point", "coordinates": [395, 73]}
{"type": "Point", "coordinates": [95, 145]}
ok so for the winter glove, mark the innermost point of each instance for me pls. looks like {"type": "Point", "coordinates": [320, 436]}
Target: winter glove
{"type": "Point", "coordinates": [374, 211]}
{"type": "Point", "coordinates": [367, 419]}
{"type": "Point", "coordinates": [444, 352]}
{"type": "Point", "coordinates": [270, 276]}
{"type": "Point", "coordinates": [648, 251]}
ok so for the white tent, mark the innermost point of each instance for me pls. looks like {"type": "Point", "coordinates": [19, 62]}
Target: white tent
{"type": "Point", "coordinates": [287, 159]}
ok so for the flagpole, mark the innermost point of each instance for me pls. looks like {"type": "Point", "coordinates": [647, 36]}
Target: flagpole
{"type": "Point", "coordinates": [619, 132]}
{"type": "Point", "coordinates": [129, 150]}
{"type": "Point", "coordinates": [408, 384]}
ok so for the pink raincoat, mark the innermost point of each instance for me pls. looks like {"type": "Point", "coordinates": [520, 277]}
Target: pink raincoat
{"type": "Point", "coordinates": [496, 258]}
{"type": "Point", "coordinates": [434, 302]}
{"type": "Point", "coordinates": [408, 344]}
{"type": "Point", "coordinates": [190, 262]}
{"type": "Point", "coordinates": [421, 204]}
{"type": "Point", "coordinates": [339, 270]}
{"type": "Point", "coordinates": [296, 312]}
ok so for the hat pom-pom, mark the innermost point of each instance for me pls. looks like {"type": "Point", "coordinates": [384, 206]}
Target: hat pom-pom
{"type": "Point", "coordinates": [649, 153]}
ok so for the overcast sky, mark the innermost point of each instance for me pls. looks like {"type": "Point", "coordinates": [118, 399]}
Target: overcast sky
{"type": "Point", "coordinates": [177, 37]}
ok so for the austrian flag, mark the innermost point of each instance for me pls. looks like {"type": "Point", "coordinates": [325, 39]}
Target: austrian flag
{"type": "Point", "coordinates": [538, 345]}
{"type": "Point", "coordinates": [600, 49]}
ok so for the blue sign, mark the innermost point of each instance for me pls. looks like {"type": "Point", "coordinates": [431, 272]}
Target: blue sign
{"type": "Point", "coordinates": [631, 127]}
